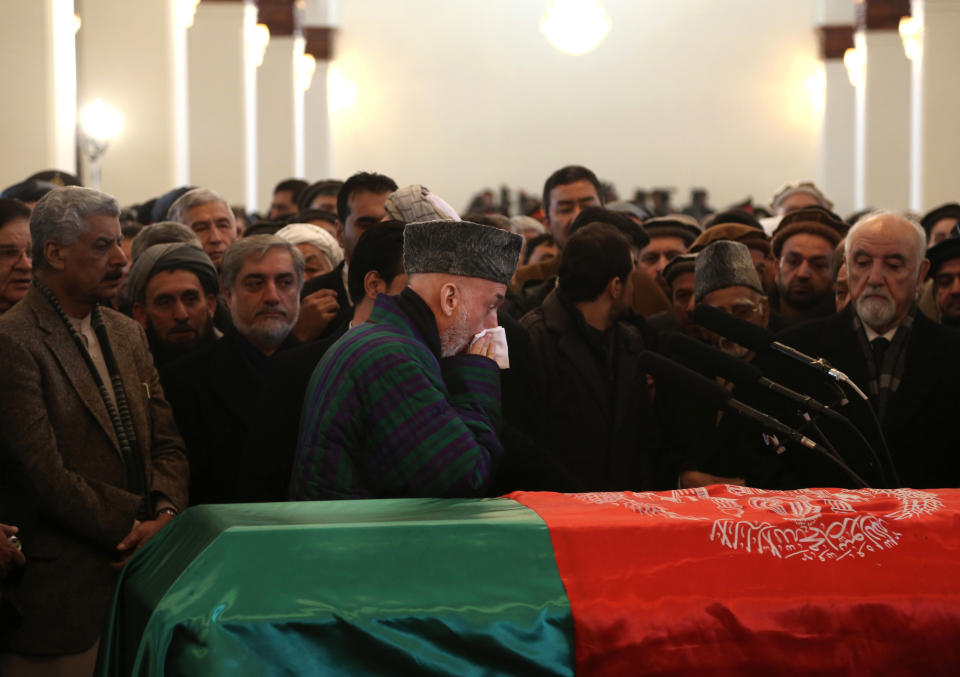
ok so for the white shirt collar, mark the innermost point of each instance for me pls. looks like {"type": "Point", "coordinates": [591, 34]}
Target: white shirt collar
{"type": "Point", "coordinates": [871, 334]}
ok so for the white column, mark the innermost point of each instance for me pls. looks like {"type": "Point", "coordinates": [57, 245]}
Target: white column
{"type": "Point", "coordinates": [279, 116]}
{"type": "Point", "coordinates": [37, 48]}
{"type": "Point", "coordinates": [882, 146]}
{"type": "Point", "coordinates": [836, 175]}
{"type": "Point", "coordinates": [317, 137]}
{"type": "Point", "coordinates": [836, 168]}
{"type": "Point", "coordinates": [147, 83]}
{"type": "Point", "coordinates": [935, 100]}
{"type": "Point", "coordinates": [222, 101]}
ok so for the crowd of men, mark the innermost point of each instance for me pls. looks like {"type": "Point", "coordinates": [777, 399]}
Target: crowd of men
{"type": "Point", "coordinates": [366, 341]}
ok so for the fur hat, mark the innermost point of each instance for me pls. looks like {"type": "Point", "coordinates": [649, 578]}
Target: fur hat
{"type": "Point", "coordinates": [461, 248]}
{"type": "Point", "coordinates": [737, 232]}
{"type": "Point", "coordinates": [724, 264]}
{"type": "Point", "coordinates": [675, 225]}
{"type": "Point", "coordinates": [815, 220]}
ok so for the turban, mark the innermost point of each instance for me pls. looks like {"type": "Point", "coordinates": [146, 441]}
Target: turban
{"type": "Point", "coordinates": [306, 233]}
{"type": "Point", "coordinates": [171, 256]}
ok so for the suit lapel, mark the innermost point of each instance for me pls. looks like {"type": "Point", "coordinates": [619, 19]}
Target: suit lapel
{"type": "Point", "coordinates": [61, 345]}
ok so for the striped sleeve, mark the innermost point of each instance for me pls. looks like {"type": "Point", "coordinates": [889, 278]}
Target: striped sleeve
{"type": "Point", "coordinates": [431, 433]}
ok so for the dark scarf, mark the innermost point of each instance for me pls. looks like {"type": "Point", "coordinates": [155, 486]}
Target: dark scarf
{"type": "Point", "coordinates": [885, 382]}
{"type": "Point", "coordinates": [420, 315]}
{"type": "Point", "coordinates": [164, 352]}
{"type": "Point", "coordinates": [119, 412]}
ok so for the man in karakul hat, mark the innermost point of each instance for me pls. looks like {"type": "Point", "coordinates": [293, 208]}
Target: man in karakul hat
{"type": "Point", "coordinates": [714, 448]}
{"type": "Point", "coordinates": [174, 291]}
{"type": "Point", "coordinates": [408, 403]}
{"type": "Point", "coordinates": [670, 236]}
{"type": "Point", "coordinates": [803, 246]}
{"type": "Point", "coordinates": [757, 241]}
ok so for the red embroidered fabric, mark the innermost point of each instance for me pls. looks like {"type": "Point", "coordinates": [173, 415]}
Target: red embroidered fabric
{"type": "Point", "coordinates": [731, 580]}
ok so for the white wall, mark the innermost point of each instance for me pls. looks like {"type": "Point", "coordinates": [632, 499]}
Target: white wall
{"type": "Point", "coordinates": [463, 94]}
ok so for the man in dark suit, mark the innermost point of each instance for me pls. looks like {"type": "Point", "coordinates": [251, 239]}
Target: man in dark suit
{"type": "Point", "coordinates": [593, 408]}
{"type": "Point", "coordinates": [85, 416]}
{"type": "Point", "coordinates": [906, 364]}
{"type": "Point", "coordinates": [267, 455]}
{"type": "Point", "coordinates": [214, 390]}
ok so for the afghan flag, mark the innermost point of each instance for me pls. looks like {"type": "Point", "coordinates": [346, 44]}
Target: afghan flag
{"type": "Point", "coordinates": [717, 581]}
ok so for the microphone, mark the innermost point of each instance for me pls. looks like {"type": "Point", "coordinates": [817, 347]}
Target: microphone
{"type": "Point", "coordinates": [758, 339]}
{"type": "Point", "coordinates": [738, 371]}
{"type": "Point", "coordinates": [714, 393]}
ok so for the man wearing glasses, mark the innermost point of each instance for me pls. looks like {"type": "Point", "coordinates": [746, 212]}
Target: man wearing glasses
{"type": "Point", "coordinates": [16, 269]}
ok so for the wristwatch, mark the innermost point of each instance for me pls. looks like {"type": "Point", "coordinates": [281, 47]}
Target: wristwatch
{"type": "Point", "coordinates": [166, 511]}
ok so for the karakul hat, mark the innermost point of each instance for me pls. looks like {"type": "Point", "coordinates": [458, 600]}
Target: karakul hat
{"type": "Point", "coordinates": [724, 264]}
{"type": "Point", "coordinates": [461, 248]}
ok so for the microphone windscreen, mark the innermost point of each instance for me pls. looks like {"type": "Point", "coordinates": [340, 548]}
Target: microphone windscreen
{"type": "Point", "coordinates": [711, 360]}
{"type": "Point", "coordinates": [668, 371]}
{"type": "Point", "coordinates": [739, 331]}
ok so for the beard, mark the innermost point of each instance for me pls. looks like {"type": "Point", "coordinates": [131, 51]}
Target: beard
{"type": "Point", "coordinates": [165, 351]}
{"type": "Point", "coordinates": [458, 335]}
{"type": "Point", "coordinates": [802, 295]}
{"type": "Point", "coordinates": [265, 332]}
{"type": "Point", "coordinates": [877, 310]}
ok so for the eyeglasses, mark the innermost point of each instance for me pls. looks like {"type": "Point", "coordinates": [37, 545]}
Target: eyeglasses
{"type": "Point", "coordinates": [12, 254]}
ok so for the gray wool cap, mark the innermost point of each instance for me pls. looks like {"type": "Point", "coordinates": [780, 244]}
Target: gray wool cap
{"type": "Point", "coordinates": [723, 264]}
{"type": "Point", "coordinates": [461, 248]}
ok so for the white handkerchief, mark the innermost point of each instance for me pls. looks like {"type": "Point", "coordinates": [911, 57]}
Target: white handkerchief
{"type": "Point", "coordinates": [500, 353]}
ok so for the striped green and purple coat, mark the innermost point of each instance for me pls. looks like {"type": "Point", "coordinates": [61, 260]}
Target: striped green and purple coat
{"type": "Point", "coordinates": [385, 417]}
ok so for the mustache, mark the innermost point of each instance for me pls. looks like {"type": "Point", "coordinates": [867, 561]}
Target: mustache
{"type": "Point", "coordinates": [113, 275]}
{"type": "Point", "coordinates": [270, 310]}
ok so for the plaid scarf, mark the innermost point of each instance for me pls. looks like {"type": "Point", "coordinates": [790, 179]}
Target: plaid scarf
{"type": "Point", "coordinates": [887, 380]}
{"type": "Point", "coordinates": [120, 411]}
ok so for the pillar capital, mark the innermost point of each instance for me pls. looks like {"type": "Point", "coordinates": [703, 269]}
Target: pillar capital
{"type": "Point", "coordinates": [881, 15]}
{"type": "Point", "coordinates": [834, 40]}
{"type": "Point", "coordinates": [320, 42]}
{"type": "Point", "coordinates": [282, 17]}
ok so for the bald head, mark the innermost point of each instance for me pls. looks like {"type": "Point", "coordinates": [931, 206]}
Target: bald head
{"type": "Point", "coordinates": [884, 253]}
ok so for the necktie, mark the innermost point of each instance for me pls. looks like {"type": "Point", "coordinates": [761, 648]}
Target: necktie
{"type": "Point", "coordinates": [879, 346]}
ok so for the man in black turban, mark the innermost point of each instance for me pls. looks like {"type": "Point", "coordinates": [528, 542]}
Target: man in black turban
{"type": "Point", "coordinates": [174, 292]}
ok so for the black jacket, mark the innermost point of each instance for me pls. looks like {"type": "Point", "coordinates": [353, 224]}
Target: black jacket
{"type": "Point", "coordinates": [213, 393]}
{"type": "Point", "coordinates": [920, 423]}
{"type": "Point", "coordinates": [594, 414]}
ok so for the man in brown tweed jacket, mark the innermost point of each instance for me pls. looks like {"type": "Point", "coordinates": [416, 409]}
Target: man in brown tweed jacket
{"type": "Point", "coordinates": [82, 410]}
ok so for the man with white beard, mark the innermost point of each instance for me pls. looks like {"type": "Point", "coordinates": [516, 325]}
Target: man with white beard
{"type": "Point", "coordinates": [907, 364]}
